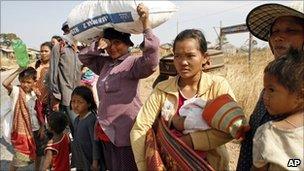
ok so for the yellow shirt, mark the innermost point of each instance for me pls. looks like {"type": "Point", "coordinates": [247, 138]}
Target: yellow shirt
{"type": "Point", "coordinates": [164, 98]}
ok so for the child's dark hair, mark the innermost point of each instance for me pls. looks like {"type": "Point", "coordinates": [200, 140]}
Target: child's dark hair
{"type": "Point", "coordinates": [57, 122]}
{"type": "Point", "coordinates": [194, 34]}
{"type": "Point", "coordinates": [50, 46]}
{"type": "Point", "coordinates": [288, 70]}
{"type": "Point", "coordinates": [86, 93]}
{"type": "Point", "coordinates": [58, 38]}
{"type": "Point", "coordinates": [29, 72]}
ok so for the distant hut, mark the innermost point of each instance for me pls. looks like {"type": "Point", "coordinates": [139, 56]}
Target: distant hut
{"type": "Point", "coordinates": [166, 49]}
{"type": "Point", "coordinates": [33, 53]}
{"type": "Point", "coordinates": [9, 53]}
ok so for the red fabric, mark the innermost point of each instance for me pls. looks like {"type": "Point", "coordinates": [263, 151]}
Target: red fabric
{"type": "Point", "coordinates": [100, 135]}
{"type": "Point", "coordinates": [40, 108]}
{"type": "Point", "coordinates": [22, 137]}
{"type": "Point", "coordinates": [42, 89]}
{"type": "Point", "coordinates": [61, 155]}
{"type": "Point", "coordinates": [152, 154]}
{"type": "Point", "coordinates": [170, 152]}
{"type": "Point", "coordinates": [213, 106]}
{"type": "Point", "coordinates": [24, 145]}
{"type": "Point", "coordinates": [218, 114]}
{"type": "Point", "coordinates": [177, 133]}
{"type": "Point", "coordinates": [181, 101]}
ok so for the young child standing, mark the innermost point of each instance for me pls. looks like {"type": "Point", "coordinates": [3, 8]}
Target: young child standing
{"type": "Point", "coordinates": [276, 142]}
{"type": "Point", "coordinates": [25, 130]}
{"type": "Point", "coordinates": [84, 148]}
{"type": "Point", "coordinates": [57, 152]}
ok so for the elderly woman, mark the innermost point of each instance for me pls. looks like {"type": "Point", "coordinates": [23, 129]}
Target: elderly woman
{"type": "Point", "coordinates": [283, 28]}
{"type": "Point", "coordinates": [117, 87]}
{"type": "Point", "coordinates": [179, 151]}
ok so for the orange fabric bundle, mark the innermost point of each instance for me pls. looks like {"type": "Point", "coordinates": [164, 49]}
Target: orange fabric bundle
{"type": "Point", "coordinates": [224, 114]}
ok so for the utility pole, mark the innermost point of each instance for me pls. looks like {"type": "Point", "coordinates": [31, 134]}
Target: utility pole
{"type": "Point", "coordinates": [218, 36]}
{"type": "Point", "coordinates": [220, 41]}
{"type": "Point", "coordinates": [250, 48]}
{"type": "Point", "coordinates": [177, 26]}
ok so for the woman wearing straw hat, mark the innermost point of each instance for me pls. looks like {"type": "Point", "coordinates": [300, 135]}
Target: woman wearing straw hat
{"type": "Point", "coordinates": [283, 28]}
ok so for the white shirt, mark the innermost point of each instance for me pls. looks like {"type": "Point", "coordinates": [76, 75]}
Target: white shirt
{"type": "Point", "coordinates": [274, 146]}
{"type": "Point", "coordinates": [30, 99]}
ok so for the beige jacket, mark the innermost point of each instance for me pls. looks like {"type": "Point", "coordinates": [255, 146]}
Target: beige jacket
{"type": "Point", "coordinates": [164, 98]}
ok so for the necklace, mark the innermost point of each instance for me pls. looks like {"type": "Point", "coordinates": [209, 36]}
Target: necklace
{"type": "Point", "coordinates": [294, 125]}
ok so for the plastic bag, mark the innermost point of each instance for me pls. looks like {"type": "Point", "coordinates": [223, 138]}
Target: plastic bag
{"type": "Point", "coordinates": [88, 20]}
{"type": "Point", "coordinates": [6, 120]}
{"type": "Point", "coordinates": [21, 54]}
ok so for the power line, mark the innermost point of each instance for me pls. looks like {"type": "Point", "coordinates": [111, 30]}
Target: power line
{"type": "Point", "coordinates": [215, 13]}
{"type": "Point", "coordinates": [179, 23]}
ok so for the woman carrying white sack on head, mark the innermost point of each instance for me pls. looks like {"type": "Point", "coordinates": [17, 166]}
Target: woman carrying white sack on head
{"type": "Point", "coordinates": [117, 87]}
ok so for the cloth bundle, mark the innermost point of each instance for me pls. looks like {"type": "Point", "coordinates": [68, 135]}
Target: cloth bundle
{"type": "Point", "coordinates": [224, 114]}
{"type": "Point", "coordinates": [88, 77]}
{"type": "Point", "coordinates": [221, 113]}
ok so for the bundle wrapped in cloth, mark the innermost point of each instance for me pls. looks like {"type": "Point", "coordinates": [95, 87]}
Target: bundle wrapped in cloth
{"type": "Point", "coordinates": [224, 114]}
{"type": "Point", "coordinates": [221, 113]}
{"type": "Point", "coordinates": [88, 20]}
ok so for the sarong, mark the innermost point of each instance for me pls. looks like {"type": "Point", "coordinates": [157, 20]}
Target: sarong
{"type": "Point", "coordinates": [164, 151]}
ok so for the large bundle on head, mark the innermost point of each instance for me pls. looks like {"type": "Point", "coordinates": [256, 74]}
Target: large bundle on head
{"type": "Point", "coordinates": [88, 20]}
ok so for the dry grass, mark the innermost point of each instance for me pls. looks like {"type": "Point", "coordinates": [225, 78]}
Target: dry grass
{"type": "Point", "coordinates": [246, 79]}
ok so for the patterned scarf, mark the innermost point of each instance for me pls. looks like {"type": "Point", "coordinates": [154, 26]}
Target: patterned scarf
{"type": "Point", "coordinates": [164, 151]}
{"type": "Point", "coordinates": [42, 100]}
{"type": "Point", "coordinates": [22, 137]}
{"type": "Point", "coordinates": [41, 85]}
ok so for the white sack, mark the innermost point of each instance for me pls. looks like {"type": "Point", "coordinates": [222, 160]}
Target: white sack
{"type": "Point", "coordinates": [88, 20]}
{"type": "Point", "coordinates": [6, 120]}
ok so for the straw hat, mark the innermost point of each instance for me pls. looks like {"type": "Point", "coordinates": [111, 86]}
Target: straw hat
{"type": "Point", "coordinates": [260, 19]}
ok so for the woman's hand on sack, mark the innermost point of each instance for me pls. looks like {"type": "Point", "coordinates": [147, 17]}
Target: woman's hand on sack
{"type": "Point", "coordinates": [103, 43]}
{"type": "Point", "coordinates": [143, 13]}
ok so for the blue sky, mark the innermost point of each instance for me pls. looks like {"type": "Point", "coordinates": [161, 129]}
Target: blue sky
{"type": "Point", "coordinates": [37, 21]}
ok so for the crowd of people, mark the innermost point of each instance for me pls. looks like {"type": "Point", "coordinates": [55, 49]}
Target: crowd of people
{"type": "Point", "coordinates": [79, 107]}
